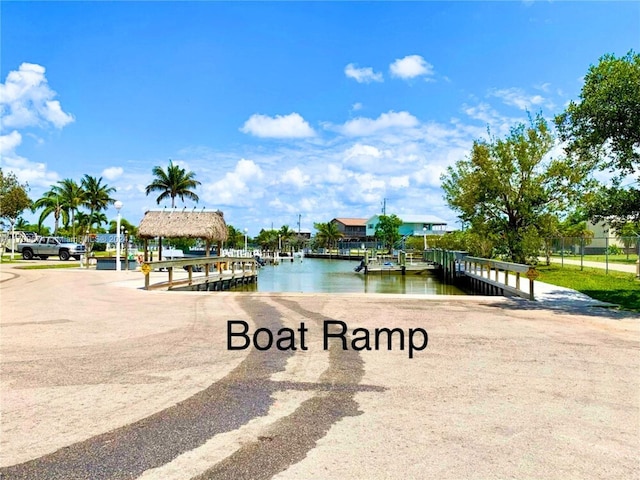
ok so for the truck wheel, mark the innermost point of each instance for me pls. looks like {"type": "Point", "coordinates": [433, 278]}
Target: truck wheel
{"type": "Point", "coordinates": [27, 254]}
{"type": "Point", "coordinates": [64, 255]}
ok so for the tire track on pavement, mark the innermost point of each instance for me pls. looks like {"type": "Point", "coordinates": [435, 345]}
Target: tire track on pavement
{"type": "Point", "coordinates": [289, 439]}
{"type": "Point", "coordinates": [126, 452]}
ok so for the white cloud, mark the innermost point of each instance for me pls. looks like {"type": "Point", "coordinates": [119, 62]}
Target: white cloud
{"type": "Point", "coordinates": [362, 75]}
{"type": "Point", "coordinates": [112, 173]}
{"type": "Point", "coordinates": [33, 173]}
{"type": "Point", "coordinates": [8, 143]}
{"type": "Point", "coordinates": [280, 126]}
{"type": "Point", "coordinates": [26, 100]}
{"type": "Point", "coordinates": [363, 126]}
{"type": "Point", "coordinates": [411, 66]}
{"type": "Point", "coordinates": [516, 97]}
{"type": "Point", "coordinates": [356, 106]}
{"type": "Point", "coordinates": [483, 112]}
{"type": "Point", "coordinates": [241, 187]}
{"type": "Point", "coordinates": [359, 150]}
{"type": "Point", "coordinates": [399, 182]}
{"type": "Point", "coordinates": [296, 177]}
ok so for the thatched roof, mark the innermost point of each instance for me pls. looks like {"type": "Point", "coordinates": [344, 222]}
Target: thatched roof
{"type": "Point", "coordinates": [206, 224]}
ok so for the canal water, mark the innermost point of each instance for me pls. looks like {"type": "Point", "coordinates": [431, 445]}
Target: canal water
{"type": "Point", "coordinates": [312, 275]}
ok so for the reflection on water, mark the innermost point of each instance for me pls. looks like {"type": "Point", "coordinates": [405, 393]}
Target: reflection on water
{"type": "Point", "coordinates": [337, 276]}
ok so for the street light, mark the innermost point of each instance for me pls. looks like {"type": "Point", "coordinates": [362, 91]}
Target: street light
{"type": "Point", "coordinates": [245, 240]}
{"type": "Point", "coordinates": [424, 230]}
{"type": "Point", "coordinates": [126, 249]}
{"type": "Point", "coordinates": [118, 205]}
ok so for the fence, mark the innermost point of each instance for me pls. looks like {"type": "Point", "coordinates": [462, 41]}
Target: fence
{"type": "Point", "coordinates": [605, 250]}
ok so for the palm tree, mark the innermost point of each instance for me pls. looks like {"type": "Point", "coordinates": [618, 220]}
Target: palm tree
{"type": "Point", "coordinates": [175, 182]}
{"type": "Point", "coordinates": [328, 233]}
{"type": "Point", "coordinates": [286, 234]}
{"type": "Point", "coordinates": [84, 221]}
{"type": "Point", "coordinates": [267, 239]}
{"type": "Point", "coordinates": [51, 202]}
{"type": "Point", "coordinates": [72, 196]}
{"type": "Point", "coordinates": [96, 198]}
{"type": "Point", "coordinates": [235, 237]}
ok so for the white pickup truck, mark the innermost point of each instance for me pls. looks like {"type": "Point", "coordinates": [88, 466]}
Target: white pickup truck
{"type": "Point", "coordinates": [46, 247]}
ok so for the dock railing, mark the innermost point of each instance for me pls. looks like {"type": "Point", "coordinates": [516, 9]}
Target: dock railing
{"type": "Point", "coordinates": [481, 270]}
{"type": "Point", "coordinates": [219, 267]}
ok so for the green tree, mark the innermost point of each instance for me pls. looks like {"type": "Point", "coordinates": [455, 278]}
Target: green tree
{"type": "Point", "coordinates": [96, 198]}
{"type": "Point", "coordinates": [574, 230]}
{"type": "Point", "coordinates": [286, 237]}
{"type": "Point", "coordinates": [13, 199]}
{"type": "Point", "coordinates": [235, 237]}
{"type": "Point", "coordinates": [506, 185]}
{"type": "Point", "coordinates": [84, 221]}
{"type": "Point", "coordinates": [51, 203]}
{"type": "Point", "coordinates": [131, 229]}
{"type": "Point", "coordinates": [628, 235]}
{"type": "Point", "coordinates": [175, 182]}
{"type": "Point", "coordinates": [602, 130]}
{"type": "Point", "coordinates": [72, 197]}
{"type": "Point", "coordinates": [267, 239]}
{"type": "Point", "coordinates": [387, 230]}
{"type": "Point", "coordinates": [549, 226]}
{"type": "Point", "coordinates": [604, 125]}
{"type": "Point", "coordinates": [328, 234]}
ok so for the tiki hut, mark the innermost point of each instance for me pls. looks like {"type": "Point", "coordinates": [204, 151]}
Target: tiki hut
{"type": "Point", "coordinates": [208, 225]}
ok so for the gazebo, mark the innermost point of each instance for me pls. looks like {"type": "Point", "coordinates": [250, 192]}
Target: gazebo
{"type": "Point", "coordinates": [208, 225]}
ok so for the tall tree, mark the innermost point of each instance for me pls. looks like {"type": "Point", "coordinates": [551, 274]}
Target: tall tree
{"type": "Point", "coordinates": [286, 235]}
{"type": "Point", "coordinates": [387, 230]}
{"type": "Point", "coordinates": [328, 234]}
{"type": "Point", "coordinates": [235, 237]}
{"type": "Point", "coordinates": [603, 130]}
{"type": "Point", "coordinates": [96, 198]}
{"type": "Point", "coordinates": [506, 185]}
{"type": "Point", "coordinates": [267, 239]}
{"type": "Point", "coordinates": [175, 182]}
{"type": "Point", "coordinates": [51, 203]}
{"type": "Point", "coordinates": [72, 197]}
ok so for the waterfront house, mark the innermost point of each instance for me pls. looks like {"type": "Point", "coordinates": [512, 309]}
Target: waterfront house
{"type": "Point", "coordinates": [412, 225]}
{"type": "Point", "coordinates": [352, 229]}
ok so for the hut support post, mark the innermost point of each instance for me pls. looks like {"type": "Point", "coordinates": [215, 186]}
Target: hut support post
{"type": "Point", "coordinates": [159, 248]}
{"type": "Point", "coordinates": [207, 253]}
{"type": "Point", "coordinates": [170, 269]}
{"type": "Point", "coordinates": [146, 250]}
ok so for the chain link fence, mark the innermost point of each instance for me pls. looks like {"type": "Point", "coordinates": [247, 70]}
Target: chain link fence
{"type": "Point", "coordinates": [603, 251]}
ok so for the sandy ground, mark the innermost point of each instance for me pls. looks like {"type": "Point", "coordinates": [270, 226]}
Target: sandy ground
{"type": "Point", "coordinates": [100, 379]}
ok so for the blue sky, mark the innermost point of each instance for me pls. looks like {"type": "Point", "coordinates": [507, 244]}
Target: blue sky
{"type": "Point", "coordinates": [283, 109]}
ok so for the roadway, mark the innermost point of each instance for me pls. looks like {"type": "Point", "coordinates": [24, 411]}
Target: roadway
{"type": "Point", "coordinates": [101, 379]}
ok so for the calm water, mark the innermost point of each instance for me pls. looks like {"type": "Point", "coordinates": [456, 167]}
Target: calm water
{"type": "Point", "coordinates": [334, 276]}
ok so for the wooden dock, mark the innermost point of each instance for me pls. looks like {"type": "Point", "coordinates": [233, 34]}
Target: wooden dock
{"type": "Point", "coordinates": [201, 273]}
{"type": "Point", "coordinates": [411, 269]}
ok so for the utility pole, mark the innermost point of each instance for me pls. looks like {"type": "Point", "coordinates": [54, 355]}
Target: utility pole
{"type": "Point", "coordinates": [299, 217]}
{"type": "Point", "coordinates": [384, 206]}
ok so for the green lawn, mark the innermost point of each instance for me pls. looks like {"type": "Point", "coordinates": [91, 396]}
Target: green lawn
{"type": "Point", "coordinates": [53, 265]}
{"type": "Point", "coordinates": [617, 287]}
{"type": "Point", "coordinates": [602, 258]}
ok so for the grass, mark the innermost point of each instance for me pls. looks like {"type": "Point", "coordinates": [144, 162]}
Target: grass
{"type": "Point", "coordinates": [602, 258]}
{"type": "Point", "coordinates": [617, 287]}
{"type": "Point", "coordinates": [53, 265]}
